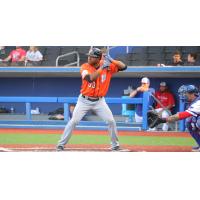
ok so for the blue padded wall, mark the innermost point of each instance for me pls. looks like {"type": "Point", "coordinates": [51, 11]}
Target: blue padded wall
{"type": "Point", "coordinates": [71, 87]}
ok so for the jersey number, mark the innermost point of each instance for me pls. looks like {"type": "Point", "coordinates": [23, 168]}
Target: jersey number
{"type": "Point", "coordinates": [91, 85]}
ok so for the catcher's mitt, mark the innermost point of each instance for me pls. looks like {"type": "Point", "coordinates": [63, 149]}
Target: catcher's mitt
{"type": "Point", "coordinates": [153, 119]}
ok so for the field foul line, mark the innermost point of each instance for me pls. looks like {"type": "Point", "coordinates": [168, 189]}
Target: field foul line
{"type": "Point", "coordinates": [5, 149]}
{"type": "Point", "coordinates": [53, 149]}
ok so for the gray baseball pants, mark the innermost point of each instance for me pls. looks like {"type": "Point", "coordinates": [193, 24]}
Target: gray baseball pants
{"type": "Point", "coordinates": [101, 109]}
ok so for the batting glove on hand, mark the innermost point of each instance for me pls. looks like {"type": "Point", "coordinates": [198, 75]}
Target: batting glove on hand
{"type": "Point", "coordinates": [108, 58]}
{"type": "Point", "coordinates": [106, 64]}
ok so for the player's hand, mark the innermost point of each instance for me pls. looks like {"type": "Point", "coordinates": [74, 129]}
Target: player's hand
{"type": "Point", "coordinates": [106, 64]}
{"type": "Point", "coordinates": [108, 58]}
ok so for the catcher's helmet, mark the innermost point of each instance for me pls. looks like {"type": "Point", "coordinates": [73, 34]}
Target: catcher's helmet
{"type": "Point", "coordinates": [187, 89]}
{"type": "Point", "coordinates": [95, 52]}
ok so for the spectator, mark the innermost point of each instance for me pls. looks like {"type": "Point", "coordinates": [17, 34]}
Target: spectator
{"type": "Point", "coordinates": [192, 60]}
{"type": "Point", "coordinates": [164, 103]}
{"type": "Point", "coordinates": [176, 60]}
{"type": "Point", "coordinates": [16, 56]}
{"type": "Point", "coordinates": [145, 86]}
{"type": "Point", "coordinates": [2, 52]}
{"type": "Point", "coordinates": [2, 56]}
{"type": "Point", "coordinates": [33, 57]}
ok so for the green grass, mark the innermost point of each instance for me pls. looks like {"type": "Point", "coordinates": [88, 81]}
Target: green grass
{"type": "Point", "coordinates": [94, 139]}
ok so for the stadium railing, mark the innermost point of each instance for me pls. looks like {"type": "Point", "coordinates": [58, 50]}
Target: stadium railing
{"type": "Point", "coordinates": [69, 100]}
{"type": "Point", "coordinates": [182, 104]}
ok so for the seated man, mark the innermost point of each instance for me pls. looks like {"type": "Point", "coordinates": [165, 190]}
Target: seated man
{"type": "Point", "coordinates": [16, 56]}
{"type": "Point", "coordinates": [145, 84]}
{"type": "Point", "coordinates": [164, 103]}
{"type": "Point", "coordinates": [192, 114]}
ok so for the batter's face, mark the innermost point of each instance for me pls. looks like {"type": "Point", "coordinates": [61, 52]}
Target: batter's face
{"type": "Point", "coordinates": [93, 61]}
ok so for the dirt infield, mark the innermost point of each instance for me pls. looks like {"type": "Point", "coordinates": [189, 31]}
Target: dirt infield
{"type": "Point", "coordinates": [95, 147]}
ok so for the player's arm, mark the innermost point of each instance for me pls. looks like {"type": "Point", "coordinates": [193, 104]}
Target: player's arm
{"type": "Point", "coordinates": [120, 65]}
{"type": "Point", "coordinates": [154, 120]}
{"type": "Point", "coordinates": [178, 116]}
{"type": "Point", "coordinates": [92, 77]}
{"type": "Point", "coordinates": [191, 111]}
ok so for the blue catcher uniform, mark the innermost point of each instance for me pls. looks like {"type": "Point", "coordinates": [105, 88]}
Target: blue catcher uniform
{"type": "Point", "coordinates": [193, 122]}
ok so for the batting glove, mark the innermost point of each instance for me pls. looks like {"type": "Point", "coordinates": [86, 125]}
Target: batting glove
{"type": "Point", "coordinates": [108, 57]}
{"type": "Point", "coordinates": [106, 64]}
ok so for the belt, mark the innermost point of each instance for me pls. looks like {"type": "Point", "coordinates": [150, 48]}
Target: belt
{"type": "Point", "coordinates": [91, 99]}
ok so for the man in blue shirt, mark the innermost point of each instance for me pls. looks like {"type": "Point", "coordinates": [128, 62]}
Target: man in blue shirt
{"type": "Point", "coordinates": [145, 86]}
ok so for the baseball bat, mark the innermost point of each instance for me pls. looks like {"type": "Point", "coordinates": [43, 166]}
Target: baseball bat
{"type": "Point", "coordinates": [159, 102]}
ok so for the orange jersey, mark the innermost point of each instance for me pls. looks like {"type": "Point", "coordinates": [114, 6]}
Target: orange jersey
{"type": "Point", "coordinates": [99, 87]}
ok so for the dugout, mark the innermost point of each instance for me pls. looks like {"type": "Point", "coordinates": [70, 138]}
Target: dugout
{"type": "Point", "coordinates": [65, 81]}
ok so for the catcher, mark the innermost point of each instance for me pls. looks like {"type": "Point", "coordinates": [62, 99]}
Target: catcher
{"type": "Point", "coordinates": [192, 115]}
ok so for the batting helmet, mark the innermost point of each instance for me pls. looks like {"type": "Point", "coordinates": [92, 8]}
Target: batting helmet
{"type": "Point", "coordinates": [95, 52]}
{"type": "Point", "coordinates": [187, 89]}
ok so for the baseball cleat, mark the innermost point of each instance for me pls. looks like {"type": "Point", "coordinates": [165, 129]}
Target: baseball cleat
{"type": "Point", "coordinates": [196, 149]}
{"type": "Point", "coordinates": [118, 148]}
{"type": "Point", "coordinates": [59, 148]}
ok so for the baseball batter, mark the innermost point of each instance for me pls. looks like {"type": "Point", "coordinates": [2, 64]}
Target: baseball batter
{"type": "Point", "coordinates": [96, 76]}
{"type": "Point", "coordinates": [191, 114]}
